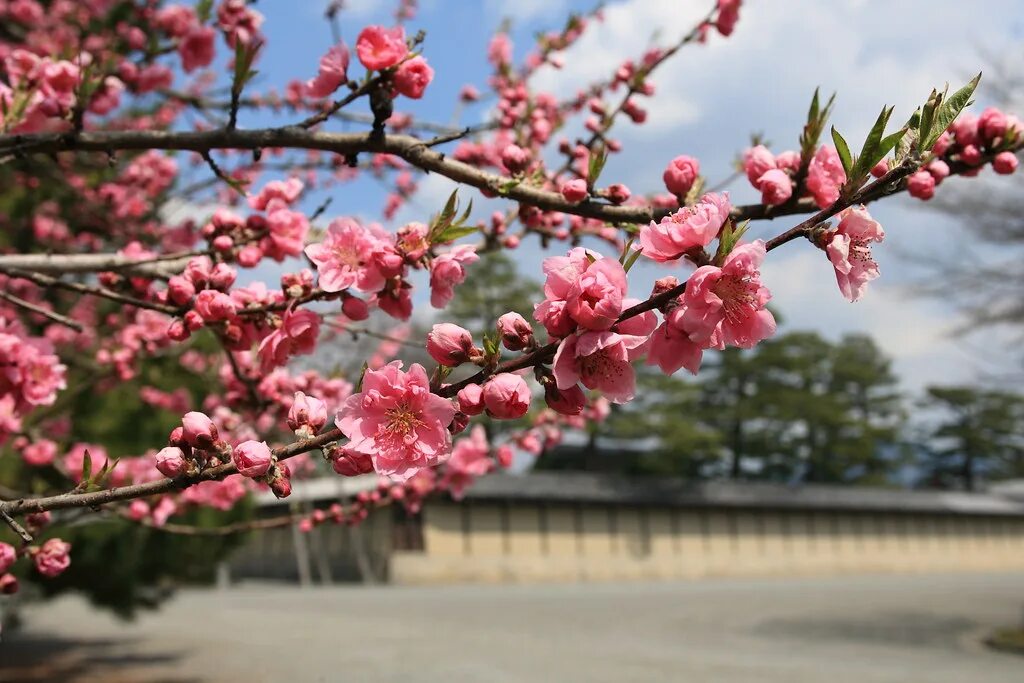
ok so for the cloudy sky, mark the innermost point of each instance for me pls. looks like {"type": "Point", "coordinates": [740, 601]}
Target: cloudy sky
{"type": "Point", "coordinates": [709, 100]}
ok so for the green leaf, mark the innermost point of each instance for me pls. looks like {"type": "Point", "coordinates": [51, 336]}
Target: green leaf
{"type": "Point", "coordinates": [362, 374]}
{"type": "Point", "coordinates": [87, 467]}
{"type": "Point", "coordinates": [948, 112]}
{"type": "Point", "coordinates": [203, 8]}
{"type": "Point", "coordinates": [631, 259]}
{"type": "Point", "coordinates": [844, 152]}
{"type": "Point", "coordinates": [598, 158]}
{"type": "Point", "coordinates": [869, 154]}
{"type": "Point", "coordinates": [454, 232]}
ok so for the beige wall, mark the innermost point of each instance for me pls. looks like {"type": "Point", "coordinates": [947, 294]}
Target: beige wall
{"type": "Point", "coordinates": [524, 542]}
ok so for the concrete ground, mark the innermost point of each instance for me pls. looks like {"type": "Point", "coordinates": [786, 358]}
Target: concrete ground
{"type": "Point", "coordinates": [856, 629]}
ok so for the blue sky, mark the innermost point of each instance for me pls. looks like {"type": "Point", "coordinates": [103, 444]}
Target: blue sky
{"type": "Point", "coordinates": [710, 100]}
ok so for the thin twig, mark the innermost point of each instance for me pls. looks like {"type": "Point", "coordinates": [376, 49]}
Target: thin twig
{"type": "Point", "coordinates": [45, 312]}
{"type": "Point", "coordinates": [18, 529]}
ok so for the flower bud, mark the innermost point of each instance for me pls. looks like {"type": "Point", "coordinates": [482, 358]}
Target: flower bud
{"type": "Point", "coordinates": [352, 463]}
{"type": "Point", "coordinates": [38, 520]}
{"type": "Point", "coordinates": [252, 458]}
{"type": "Point", "coordinates": [970, 154]}
{"type": "Point", "coordinates": [223, 243]}
{"type": "Point", "coordinates": [471, 399]}
{"type": "Point", "coordinates": [880, 169]}
{"type": "Point", "coordinates": [569, 401]}
{"type": "Point", "coordinates": [8, 584]}
{"type": "Point", "coordinates": [138, 510]}
{"type": "Point", "coordinates": [180, 290]}
{"type": "Point", "coordinates": [280, 481]}
{"type": "Point", "coordinates": [177, 331]}
{"type": "Point", "coordinates": [307, 413]}
{"type": "Point", "coordinates": [617, 193]}
{"type": "Point", "coordinates": [7, 556]}
{"type": "Point", "coordinates": [198, 430]}
{"type": "Point", "coordinates": [222, 277]}
{"type": "Point", "coordinates": [214, 306]}
{"type": "Point", "coordinates": [1004, 163]}
{"type": "Point", "coordinates": [193, 321]}
{"type": "Point", "coordinates": [574, 191]}
{"type": "Point", "coordinates": [515, 158]}
{"type": "Point", "coordinates": [459, 423]}
{"type": "Point", "coordinates": [506, 396]}
{"type": "Point", "coordinates": [249, 256]}
{"type": "Point", "coordinates": [776, 187]}
{"type": "Point", "coordinates": [921, 184]}
{"type": "Point", "coordinates": [450, 344]}
{"type": "Point", "coordinates": [354, 308]}
{"type": "Point", "coordinates": [662, 285]}
{"type": "Point", "coordinates": [681, 174]}
{"type": "Point", "coordinates": [504, 454]}
{"type": "Point", "coordinates": [939, 170]}
{"type": "Point", "coordinates": [170, 461]}
{"type": "Point", "coordinates": [516, 333]}
{"type": "Point", "coordinates": [52, 558]}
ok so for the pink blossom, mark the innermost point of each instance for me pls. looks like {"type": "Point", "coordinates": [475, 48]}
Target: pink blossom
{"type": "Point", "coordinates": [214, 306]}
{"type": "Point", "coordinates": [757, 161]}
{"type": "Point", "coordinates": [198, 430]}
{"type": "Point", "coordinates": [776, 187]}
{"type": "Point", "coordinates": [333, 72]}
{"type": "Point", "coordinates": [499, 50]}
{"type": "Point", "coordinates": [727, 304]}
{"type": "Point", "coordinates": [601, 361]}
{"type": "Point", "coordinates": [671, 348]}
{"type": "Point", "coordinates": [689, 228]}
{"type": "Point", "coordinates": [450, 344]}
{"type": "Point", "coordinates": [574, 191]}
{"type": "Point", "coordinates": [345, 258]}
{"type": "Point", "coordinates": [355, 308]}
{"type": "Point", "coordinates": [921, 184]}
{"type": "Point", "coordinates": [397, 421]}
{"type": "Point", "coordinates": [252, 458]}
{"type": "Point", "coordinates": [728, 15]}
{"type": "Point", "coordinates": [849, 249]}
{"type": "Point", "coordinates": [170, 461]}
{"type": "Point", "coordinates": [506, 396]}
{"type": "Point", "coordinates": [554, 317]}
{"type": "Point", "coordinates": [515, 159]}
{"type": "Point", "coordinates": [39, 453]}
{"type": "Point", "coordinates": [681, 174]}
{"type": "Point", "coordinates": [297, 335]}
{"type": "Point", "coordinates": [380, 48]}
{"type": "Point", "coordinates": [197, 48]}
{"type": "Point", "coordinates": [471, 399]}
{"type": "Point", "coordinates": [447, 271]}
{"type": "Point", "coordinates": [350, 463]}
{"type": "Point", "coordinates": [286, 191]}
{"type": "Point", "coordinates": [412, 77]}
{"type": "Point", "coordinates": [287, 232]}
{"type": "Point", "coordinates": [52, 558]}
{"type": "Point", "coordinates": [516, 333]}
{"type": "Point", "coordinates": [1005, 163]}
{"type": "Point", "coordinates": [567, 401]}
{"type": "Point", "coordinates": [470, 459]}
{"type": "Point", "coordinates": [7, 557]}
{"type": "Point", "coordinates": [307, 413]}
{"type": "Point", "coordinates": [594, 300]}
{"type": "Point", "coordinates": [992, 124]}
{"type": "Point", "coordinates": [825, 176]}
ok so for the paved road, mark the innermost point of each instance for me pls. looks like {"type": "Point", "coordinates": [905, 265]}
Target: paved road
{"type": "Point", "coordinates": [863, 630]}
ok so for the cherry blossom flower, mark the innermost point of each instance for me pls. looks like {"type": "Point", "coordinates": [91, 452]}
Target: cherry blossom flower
{"type": "Point", "coordinates": [691, 227]}
{"type": "Point", "coordinates": [448, 271]}
{"type": "Point", "coordinates": [601, 361]}
{"type": "Point", "coordinates": [345, 258]}
{"type": "Point", "coordinates": [333, 72]}
{"type": "Point", "coordinates": [825, 176]}
{"type": "Point", "coordinates": [849, 249]}
{"type": "Point", "coordinates": [52, 558]}
{"type": "Point", "coordinates": [297, 335]}
{"type": "Point", "coordinates": [470, 459]}
{"type": "Point", "coordinates": [397, 421]}
{"type": "Point", "coordinates": [380, 48]}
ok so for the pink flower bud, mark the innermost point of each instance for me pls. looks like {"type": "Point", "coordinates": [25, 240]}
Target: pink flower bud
{"type": "Point", "coordinates": [512, 241]}
{"type": "Point", "coordinates": [307, 412]}
{"type": "Point", "coordinates": [515, 158]}
{"type": "Point", "coordinates": [880, 169]}
{"type": "Point", "coordinates": [222, 276]}
{"type": "Point", "coordinates": [252, 458]}
{"type": "Point", "coordinates": [38, 520]}
{"type": "Point", "coordinates": [198, 430]}
{"type": "Point", "coordinates": [214, 306]}
{"type": "Point", "coordinates": [7, 556]}
{"type": "Point", "coordinates": [138, 510]}
{"type": "Point", "coordinates": [574, 191]}
{"type": "Point", "coordinates": [412, 77]}
{"type": "Point", "coordinates": [249, 256]}
{"type": "Point", "coordinates": [1004, 163]}
{"type": "Point", "coordinates": [971, 155]}
{"type": "Point", "coordinates": [569, 401]}
{"type": "Point", "coordinates": [180, 290]}
{"type": "Point", "coordinates": [193, 321]}
{"type": "Point", "coordinates": [170, 461]}
{"type": "Point", "coordinates": [459, 423]}
{"type": "Point", "coordinates": [355, 308]}
{"type": "Point", "coordinates": [617, 193]}
{"type": "Point", "coordinates": [8, 584]}
{"type": "Point", "coordinates": [776, 187]}
{"type": "Point", "coordinates": [471, 399]}
{"type": "Point", "coordinates": [943, 144]}
{"type": "Point", "coordinates": [223, 243]}
{"type": "Point", "coordinates": [664, 284]}
{"type": "Point", "coordinates": [504, 456]}
{"type": "Point", "coordinates": [450, 344]}
{"type": "Point", "coordinates": [281, 481]}
{"type": "Point", "coordinates": [939, 170]}
{"type": "Point", "coordinates": [516, 333]}
{"type": "Point", "coordinates": [52, 558]}
{"type": "Point", "coordinates": [352, 463]}
{"type": "Point", "coordinates": [506, 396]}
{"type": "Point", "coordinates": [305, 525]}
{"type": "Point", "coordinates": [756, 162]}
{"type": "Point", "coordinates": [681, 174]}
{"type": "Point", "coordinates": [992, 124]}
{"type": "Point", "coordinates": [177, 437]}
{"type": "Point", "coordinates": [921, 185]}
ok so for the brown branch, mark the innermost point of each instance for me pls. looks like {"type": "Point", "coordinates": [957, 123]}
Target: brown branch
{"type": "Point", "coordinates": [29, 306]}
{"type": "Point", "coordinates": [91, 263]}
{"type": "Point", "coordinates": [92, 290]}
{"type": "Point", "coordinates": [18, 529]}
{"type": "Point", "coordinates": [94, 499]}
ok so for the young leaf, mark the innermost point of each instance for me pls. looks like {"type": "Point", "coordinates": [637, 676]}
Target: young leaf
{"type": "Point", "coordinates": [203, 8]}
{"type": "Point", "coordinates": [948, 112]}
{"type": "Point", "coordinates": [844, 152]}
{"type": "Point", "coordinates": [597, 161]}
{"type": "Point", "coordinates": [362, 374]}
{"type": "Point", "coordinates": [631, 259]}
{"type": "Point", "coordinates": [454, 232]}
{"type": "Point", "coordinates": [869, 154]}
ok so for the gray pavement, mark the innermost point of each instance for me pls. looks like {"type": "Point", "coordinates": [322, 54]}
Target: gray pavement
{"type": "Point", "coordinates": [852, 629]}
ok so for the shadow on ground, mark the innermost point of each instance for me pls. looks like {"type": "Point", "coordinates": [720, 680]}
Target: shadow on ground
{"type": "Point", "coordinates": [37, 659]}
